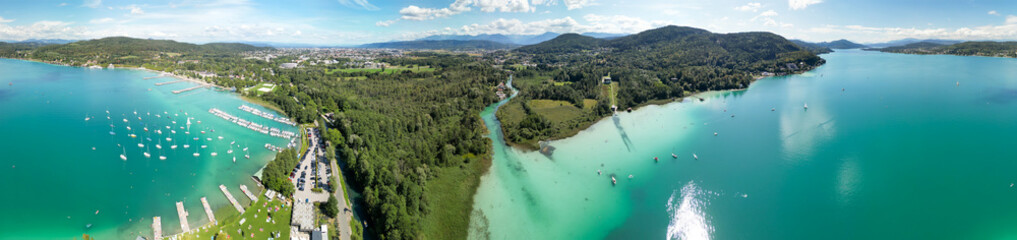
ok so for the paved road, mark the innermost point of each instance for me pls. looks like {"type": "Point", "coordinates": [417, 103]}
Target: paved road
{"type": "Point", "coordinates": [346, 212]}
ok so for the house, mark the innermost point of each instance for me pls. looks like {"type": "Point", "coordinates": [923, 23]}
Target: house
{"type": "Point", "coordinates": [606, 79]}
{"type": "Point", "coordinates": [288, 65]}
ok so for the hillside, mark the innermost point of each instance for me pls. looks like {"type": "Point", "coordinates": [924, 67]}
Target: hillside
{"type": "Point", "coordinates": [563, 91]}
{"type": "Point", "coordinates": [906, 41]}
{"type": "Point", "coordinates": [124, 50]}
{"type": "Point", "coordinates": [974, 48]}
{"type": "Point", "coordinates": [442, 45]}
{"type": "Point", "coordinates": [812, 47]}
{"type": "Point", "coordinates": [841, 44]}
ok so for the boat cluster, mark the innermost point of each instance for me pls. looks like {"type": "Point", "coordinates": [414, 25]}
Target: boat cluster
{"type": "Point", "coordinates": [280, 119]}
{"type": "Point", "coordinates": [146, 141]}
{"type": "Point", "coordinates": [275, 132]}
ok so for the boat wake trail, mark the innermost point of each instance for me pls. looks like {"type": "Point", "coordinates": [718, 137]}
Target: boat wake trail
{"type": "Point", "coordinates": [688, 221]}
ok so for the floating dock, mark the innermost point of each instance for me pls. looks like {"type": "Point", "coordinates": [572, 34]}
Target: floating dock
{"type": "Point", "coordinates": [156, 228]}
{"type": "Point", "coordinates": [183, 217]}
{"type": "Point", "coordinates": [188, 89]}
{"type": "Point", "coordinates": [170, 82]}
{"type": "Point", "coordinates": [208, 211]}
{"type": "Point", "coordinates": [248, 193]}
{"type": "Point", "coordinates": [230, 197]}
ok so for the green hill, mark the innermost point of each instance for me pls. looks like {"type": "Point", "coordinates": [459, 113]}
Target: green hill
{"type": "Point", "coordinates": [124, 50]}
{"type": "Point", "coordinates": [812, 47]}
{"type": "Point", "coordinates": [841, 44]}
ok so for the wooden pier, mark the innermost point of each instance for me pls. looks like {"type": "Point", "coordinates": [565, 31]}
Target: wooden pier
{"type": "Point", "coordinates": [248, 193]}
{"type": "Point", "coordinates": [183, 217]}
{"type": "Point", "coordinates": [156, 228]}
{"type": "Point", "coordinates": [160, 76]}
{"type": "Point", "coordinates": [232, 200]}
{"type": "Point", "coordinates": [188, 89]}
{"type": "Point", "coordinates": [170, 82]}
{"type": "Point", "coordinates": [208, 211]}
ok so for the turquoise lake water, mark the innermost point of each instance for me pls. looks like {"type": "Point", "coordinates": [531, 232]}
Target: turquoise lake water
{"type": "Point", "coordinates": [55, 184]}
{"type": "Point", "coordinates": [891, 146]}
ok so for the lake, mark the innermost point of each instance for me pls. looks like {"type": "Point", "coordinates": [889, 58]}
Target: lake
{"type": "Point", "coordinates": [63, 176]}
{"type": "Point", "coordinates": [891, 146]}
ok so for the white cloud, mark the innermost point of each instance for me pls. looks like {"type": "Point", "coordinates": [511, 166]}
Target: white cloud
{"type": "Point", "coordinates": [769, 13]}
{"type": "Point", "coordinates": [62, 4]}
{"type": "Point", "coordinates": [135, 10]}
{"type": "Point", "coordinates": [577, 4]}
{"type": "Point", "coordinates": [801, 4]}
{"type": "Point", "coordinates": [1011, 19]}
{"type": "Point", "coordinates": [92, 3]}
{"type": "Point", "coordinates": [386, 23]}
{"type": "Point", "coordinates": [416, 13]}
{"type": "Point", "coordinates": [754, 6]}
{"type": "Point", "coordinates": [4, 20]}
{"type": "Point", "coordinates": [41, 30]}
{"type": "Point", "coordinates": [359, 3]}
{"type": "Point", "coordinates": [993, 12]}
{"type": "Point", "coordinates": [1006, 31]}
{"type": "Point", "coordinates": [101, 20]}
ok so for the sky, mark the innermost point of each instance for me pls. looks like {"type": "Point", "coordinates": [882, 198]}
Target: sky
{"type": "Point", "coordinates": [351, 22]}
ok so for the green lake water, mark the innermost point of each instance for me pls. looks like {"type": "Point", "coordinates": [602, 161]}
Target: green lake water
{"type": "Point", "coordinates": [891, 146]}
{"type": "Point", "coordinates": [54, 183]}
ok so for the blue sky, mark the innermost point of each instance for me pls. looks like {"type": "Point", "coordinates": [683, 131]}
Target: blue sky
{"type": "Point", "coordinates": [347, 22]}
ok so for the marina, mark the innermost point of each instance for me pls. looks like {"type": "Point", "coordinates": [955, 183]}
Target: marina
{"type": "Point", "coordinates": [274, 132]}
{"type": "Point", "coordinates": [255, 111]}
{"type": "Point", "coordinates": [232, 200]}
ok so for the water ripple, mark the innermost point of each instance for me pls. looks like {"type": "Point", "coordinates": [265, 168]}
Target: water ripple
{"type": "Point", "coordinates": [688, 221]}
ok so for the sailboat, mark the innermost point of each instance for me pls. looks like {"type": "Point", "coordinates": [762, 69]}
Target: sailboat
{"type": "Point", "coordinates": [124, 154]}
{"type": "Point", "coordinates": [162, 157]}
{"type": "Point", "coordinates": [159, 145]}
{"type": "Point", "coordinates": [806, 106]}
{"type": "Point", "coordinates": [694, 156]}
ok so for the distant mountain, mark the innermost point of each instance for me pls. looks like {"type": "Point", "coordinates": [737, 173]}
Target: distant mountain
{"type": "Point", "coordinates": [565, 43]}
{"type": "Point", "coordinates": [604, 35]}
{"type": "Point", "coordinates": [918, 46]}
{"type": "Point", "coordinates": [906, 41]}
{"type": "Point", "coordinates": [123, 47]}
{"type": "Point", "coordinates": [841, 44]}
{"type": "Point", "coordinates": [442, 45]}
{"type": "Point", "coordinates": [516, 39]}
{"type": "Point", "coordinates": [288, 45]}
{"type": "Point", "coordinates": [48, 41]}
{"type": "Point", "coordinates": [812, 47]}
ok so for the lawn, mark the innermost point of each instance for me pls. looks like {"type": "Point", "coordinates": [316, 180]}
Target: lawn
{"type": "Point", "coordinates": [260, 221]}
{"type": "Point", "coordinates": [259, 88]}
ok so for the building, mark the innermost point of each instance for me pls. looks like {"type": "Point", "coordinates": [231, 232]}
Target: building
{"type": "Point", "coordinates": [303, 215]}
{"type": "Point", "coordinates": [288, 65]}
{"type": "Point", "coordinates": [606, 79]}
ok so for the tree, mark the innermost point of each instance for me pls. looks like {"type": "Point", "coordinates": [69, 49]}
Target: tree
{"type": "Point", "coordinates": [331, 207]}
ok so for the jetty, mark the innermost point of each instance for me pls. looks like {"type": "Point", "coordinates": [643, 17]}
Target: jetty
{"type": "Point", "coordinates": [170, 82]}
{"type": "Point", "coordinates": [154, 77]}
{"type": "Point", "coordinates": [232, 200]}
{"type": "Point", "coordinates": [208, 210]}
{"type": "Point", "coordinates": [248, 193]}
{"type": "Point", "coordinates": [156, 228]}
{"type": "Point", "coordinates": [183, 217]}
{"type": "Point", "coordinates": [187, 89]}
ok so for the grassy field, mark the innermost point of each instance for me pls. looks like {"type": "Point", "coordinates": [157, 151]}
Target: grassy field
{"type": "Point", "coordinates": [260, 222]}
{"type": "Point", "coordinates": [254, 89]}
{"type": "Point", "coordinates": [393, 69]}
{"type": "Point", "coordinates": [565, 117]}
{"type": "Point", "coordinates": [451, 197]}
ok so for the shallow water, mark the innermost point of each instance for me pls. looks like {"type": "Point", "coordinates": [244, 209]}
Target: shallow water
{"type": "Point", "coordinates": [55, 184]}
{"type": "Point", "coordinates": [889, 147]}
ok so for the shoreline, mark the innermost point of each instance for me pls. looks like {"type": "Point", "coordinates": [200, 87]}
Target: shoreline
{"type": "Point", "coordinates": [655, 102]}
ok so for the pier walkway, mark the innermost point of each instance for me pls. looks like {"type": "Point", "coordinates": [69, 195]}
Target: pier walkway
{"type": "Point", "coordinates": [232, 200]}
{"type": "Point", "coordinates": [157, 228]}
{"type": "Point", "coordinates": [154, 77]}
{"type": "Point", "coordinates": [248, 193]}
{"type": "Point", "coordinates": [188, 89]}
{"type": "Point", "coordinates": [170, 82]}
{"type": "Point", "coordinates": [208, 211]}
{"type": "Point", "coordinates": [183, 217]}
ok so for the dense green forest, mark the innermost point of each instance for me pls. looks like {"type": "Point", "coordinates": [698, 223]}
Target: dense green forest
{"type": "Point", "coordinates": [276, 174]}
{"type": "Point", "coordinates": [812, 47]}
{"type": "Point", "coordinates": [659, 64]}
